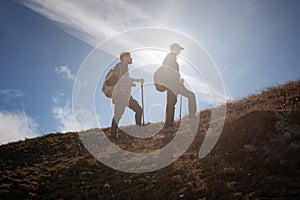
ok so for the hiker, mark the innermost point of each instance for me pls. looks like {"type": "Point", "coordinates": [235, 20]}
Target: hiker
{"type": "Point", "coordinates": [174, 86]}
{"type": "Point", "coordinates": [121, 95]}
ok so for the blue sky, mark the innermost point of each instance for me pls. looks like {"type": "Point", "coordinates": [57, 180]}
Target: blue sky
{"type": "Point", "coordinates": [255, 44]}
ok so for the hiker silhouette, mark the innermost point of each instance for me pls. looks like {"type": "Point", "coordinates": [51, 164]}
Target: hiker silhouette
{"type": "Point", "coordinates": [175, 85]}
{"type": "Point", "coordinates": [121, 95]}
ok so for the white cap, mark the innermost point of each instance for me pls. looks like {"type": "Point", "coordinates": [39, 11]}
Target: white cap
{"type": "Point", "coordinates": [175, 46]}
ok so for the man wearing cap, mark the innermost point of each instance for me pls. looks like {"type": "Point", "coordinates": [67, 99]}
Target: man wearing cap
{"type": "Point", "coordinates": [121, 96]}
{"type": "Point", "coordinates": [175, 86]}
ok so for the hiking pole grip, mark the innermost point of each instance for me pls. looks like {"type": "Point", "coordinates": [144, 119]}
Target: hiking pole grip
{"type": "Point", "coordinates": [142, 87]}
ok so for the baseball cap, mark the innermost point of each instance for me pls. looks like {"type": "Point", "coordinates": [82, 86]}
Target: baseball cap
{"type": "Point", "coordinates": [175, 46]}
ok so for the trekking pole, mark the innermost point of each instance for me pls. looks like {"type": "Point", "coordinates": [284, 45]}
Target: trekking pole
{"type": "Point", "coordinates": [142, 86]}
{"type": "Point", "coordinates": [180, 107]}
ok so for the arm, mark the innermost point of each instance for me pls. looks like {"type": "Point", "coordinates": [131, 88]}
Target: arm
{"type": "Point", "coordinates": [141, 80]}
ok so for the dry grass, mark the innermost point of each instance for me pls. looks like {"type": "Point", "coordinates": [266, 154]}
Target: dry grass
{"type": "Point", "coordinates": [57, 166]}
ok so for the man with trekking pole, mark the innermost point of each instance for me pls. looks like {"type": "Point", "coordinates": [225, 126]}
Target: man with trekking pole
{"type": "Point", "coordinates": [121, 95]}
{"type": "Point", "coordinates": [174, 86]}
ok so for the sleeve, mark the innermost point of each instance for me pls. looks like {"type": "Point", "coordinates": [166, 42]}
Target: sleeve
{"type": "Point", "coordinates": [118, 71]}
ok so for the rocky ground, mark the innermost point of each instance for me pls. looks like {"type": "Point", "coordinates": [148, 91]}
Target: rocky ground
{"type": "Point", "coordinates": [256, 157]}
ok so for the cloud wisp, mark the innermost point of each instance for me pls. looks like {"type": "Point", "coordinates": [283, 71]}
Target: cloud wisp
{"type": "Point", "coordinates": [91, 21]}
{"type": "Point", "coordinates": [13, 93]}
{"type": "Point", "coordinates": [7, 94]}
{"type": "Point", "coordinates": [66, 72]}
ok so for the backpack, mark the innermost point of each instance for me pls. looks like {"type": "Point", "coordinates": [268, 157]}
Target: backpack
{"type": "Point", "coordinates": [158, 79]}
{"type": "Point", "coordinates": [109, 83]}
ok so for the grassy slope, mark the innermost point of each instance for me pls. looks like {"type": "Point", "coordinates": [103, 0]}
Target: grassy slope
{"type": "Point", "coordinates": [58, 166]}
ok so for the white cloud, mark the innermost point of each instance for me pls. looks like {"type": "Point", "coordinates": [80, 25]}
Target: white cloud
{"type": "Point", "coordinates": [62, 112]}
{"type": "Point", "coordinates": [16, 126]}
{"type": "Point", "coordinates": [91, 21]}
{"type": "Point", "coordinates": [64, 115]}
{"type": "Point", "coordinates": [66, 72]}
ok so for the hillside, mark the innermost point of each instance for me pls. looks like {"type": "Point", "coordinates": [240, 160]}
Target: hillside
{"type": "Point", "coordinates": [256, 157]}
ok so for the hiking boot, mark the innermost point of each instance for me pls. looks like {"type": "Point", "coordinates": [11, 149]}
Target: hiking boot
{"type": "Point", "coordinates": [169, 129]}
{"type": "Point", "coordinates": [113, 136]}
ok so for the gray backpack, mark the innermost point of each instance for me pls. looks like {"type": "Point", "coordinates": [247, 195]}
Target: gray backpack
{"type": "Point", "coordinates": [158, 79]}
